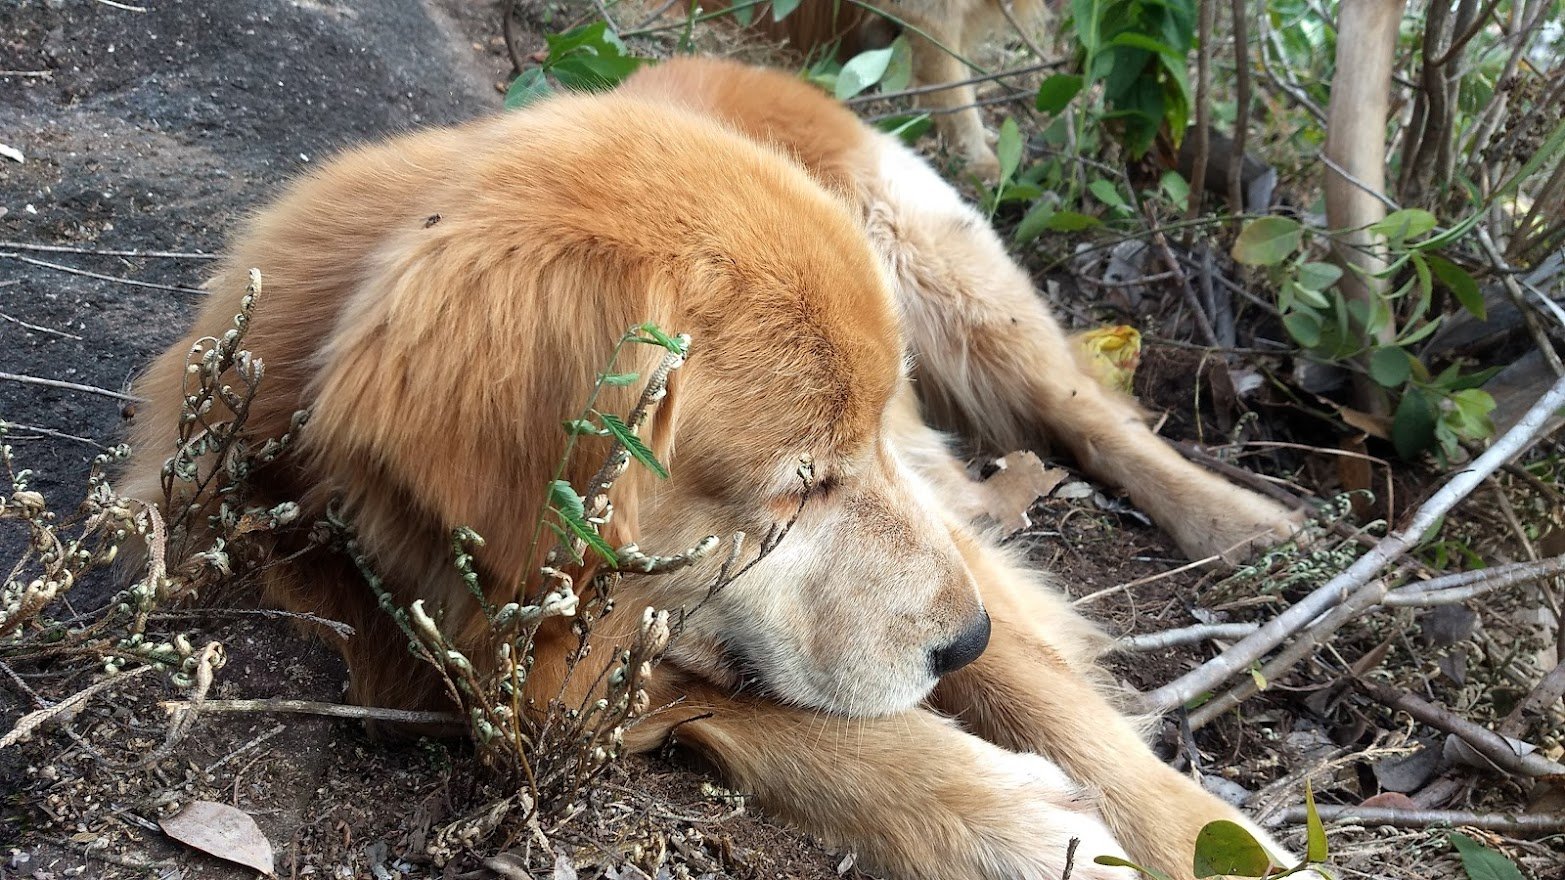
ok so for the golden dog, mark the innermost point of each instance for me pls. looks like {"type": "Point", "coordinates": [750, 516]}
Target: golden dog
{"type": "Point", "coordinates": [442, 301]}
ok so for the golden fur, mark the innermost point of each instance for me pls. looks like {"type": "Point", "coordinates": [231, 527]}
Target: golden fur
{"type": "Point", "coordinates": [442, 300]}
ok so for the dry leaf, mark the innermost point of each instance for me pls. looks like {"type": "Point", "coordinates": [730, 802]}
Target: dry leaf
{"type": "Point", "coordinates": [1021, 479]}
{"type": "Point", "coordinates": [222, 831]}
{"type": "Point", "coordinates": [1373, 425]}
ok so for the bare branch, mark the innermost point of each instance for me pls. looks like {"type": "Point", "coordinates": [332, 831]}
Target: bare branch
{"type": "Point", "coordinates": [1527, 823]}
{"type": "Point", "coordinates": [1359, 575]}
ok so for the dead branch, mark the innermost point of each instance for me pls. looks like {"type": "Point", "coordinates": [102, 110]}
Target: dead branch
{"type": "Point", "coordinates": [1242, 101]}
{"type": "Point", "coordinates": [1513, 289]}
{"type": "Point", "coordinates": [1548, 691]}
{"type": "Point", "coordinates": [33, 720]}
{"type": "Point", "coordinates": [1358, 576]}
{"type": "Point", "coordinates": [1245, 478]}
{"type": "Point", "coordinates": [98, 252]}
{"type": "Point", "coordinates": [1184, 635]}
{"type": "Point", "coordinates": [19, 322]}
{"type": "Point", "coordinates": [72, 270]}
{"type": "Point", "coordinates": [69, 386]}
{"type": "Point", "coordinates": [311, 707]}
{"type": "Point", "coordinates": [1527, 823]}
{"type": "Point", "coordinates": [1486, 742]}
{"type": "Point", "coordinates": [1457, 588]}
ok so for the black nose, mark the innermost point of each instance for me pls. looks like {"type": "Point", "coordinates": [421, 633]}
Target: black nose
{"type": "Point", "coordinates": [964, 650]}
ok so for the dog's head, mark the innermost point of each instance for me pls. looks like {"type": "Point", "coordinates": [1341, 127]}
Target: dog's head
{"type": "Point", "coordinates": [451, 365]}
{"type": "Point", "coordinates": [783, 416]}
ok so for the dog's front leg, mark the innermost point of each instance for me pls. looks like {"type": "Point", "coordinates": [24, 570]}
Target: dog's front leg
{"type": "Point", "coordinates": [910, 793]}
{"type": "Point", "coordinates": [1036, 689]}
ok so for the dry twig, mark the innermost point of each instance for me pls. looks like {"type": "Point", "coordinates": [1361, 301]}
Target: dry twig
{"type": "Point", "coordinates": [1358, 576]}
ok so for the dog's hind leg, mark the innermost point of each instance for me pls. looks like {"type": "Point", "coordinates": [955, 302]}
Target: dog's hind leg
{"type": "Point", "coordinates": [1036, 689]}
{"type": "Point", "coordinates": [992, 362]}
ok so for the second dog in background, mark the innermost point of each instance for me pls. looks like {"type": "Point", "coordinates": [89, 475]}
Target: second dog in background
{"type": "Point", "coordinates": [941, 31]}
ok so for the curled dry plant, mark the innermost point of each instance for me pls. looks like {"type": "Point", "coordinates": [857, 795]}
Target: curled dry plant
{"type": "Point", "coordinates": [210, 459]}
{"type": "Point", "coordinates": [549, 754]}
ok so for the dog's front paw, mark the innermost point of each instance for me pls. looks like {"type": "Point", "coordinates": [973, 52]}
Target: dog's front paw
{"type": "Point", "coordinates": [1047, 811]}
{"type": "Point", "coordinates": [982, 162]}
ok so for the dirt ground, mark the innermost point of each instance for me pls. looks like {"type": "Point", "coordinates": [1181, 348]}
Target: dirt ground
{"type": "Point", "coordinates": [154, 130]}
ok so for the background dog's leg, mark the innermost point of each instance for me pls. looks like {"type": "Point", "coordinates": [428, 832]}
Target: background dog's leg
{"type": "Point", "coordinates": [956, 117]}
{"type": "Point", "coordinates": [1035, 689]}
{"type": "Point", "coordinates": [993, 362]}
{"type": "Point", "coordinates": [910, 793]}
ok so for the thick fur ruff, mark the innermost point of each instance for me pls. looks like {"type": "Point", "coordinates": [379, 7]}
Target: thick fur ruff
{"type": "Point", "coordinates": [443, 300]}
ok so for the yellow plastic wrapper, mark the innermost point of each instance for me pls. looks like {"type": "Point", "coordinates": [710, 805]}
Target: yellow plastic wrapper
{"type": "Point", "coordinates": [1112, 355]}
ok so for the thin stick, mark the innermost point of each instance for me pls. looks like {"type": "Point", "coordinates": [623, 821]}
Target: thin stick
{"type": "Point", "coordinates": [1336, 591]}
{"type": "Point", "coordinates": [1549, 690]}
{"type": "Point", "coordinates": [1526, 823]}
{"type": "Point", "coordinates": [69, 386]}
{"type": "Point", "coordinates": [47, 432]}
{"type": "Point", "coordinates": [33, 720]}
{"type": "Point", "coordinates": [1456, 588]}
{"type": "Point", "coordinates": [310, 707]}
{"type": "Point", "coordinates": [1486, 742]}
{"type": "Point", "coordinates": [1240, 475]}
{"type": "Point", "coordinates": [68, 249]}
{"type": "Point", "coordinates": [1184, 635]}
{"type": "Point", "coordinates": [49, 330]}
{"type": "Point", "coordinates": [71, 270]}
{"type": "Point", "coordinates": [125, 6]}
{"type": "Point", "coordinates": [1109, 591]}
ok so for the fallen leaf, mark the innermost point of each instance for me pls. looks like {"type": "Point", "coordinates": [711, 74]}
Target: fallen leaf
{"type": "Point", "coordinates": [1021, 479]}
{"type": "Point", "coordinates": [12, 153]}
{"type": "Point", "coordinates": [1111, 355]}
{"type": "Point", "coordinates": [1391, 800]}
{"type": "Point", "coordinates": [222, 831]}
{"type": "Point", "coordinates": [1369, 423]}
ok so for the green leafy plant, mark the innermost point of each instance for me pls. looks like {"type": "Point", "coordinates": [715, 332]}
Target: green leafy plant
{"type": "Point", "coordinates": [590, 58]}
{"type": "Point", "coordinates": [1434, 411]}
{"type": "Point", "coordinates": [1137, 51]}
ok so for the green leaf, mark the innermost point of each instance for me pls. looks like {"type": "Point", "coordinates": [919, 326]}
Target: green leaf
{"type": "Point", "coordinates": [637, 449]}
{"type": "Point", "coordinates": [594, 73]}
{"type": "Point", "coordinates": [781, 9]}
{"type": "Point", "coordinates": [1318, 276]}
{"type": "Point", "coordinates": [1117, 862]}
{"type": "Point", "coordinates": [1390, 366]}
{"type": "Point", "coordinates": [1404, 224]}
{"type": "Point", "coordinates": [589, 536]}
{"type": "Point", "coordinates": [743, 13]}
{"type": "Point", "coordinates": [563, 497]}
{"type": "Point", "coordinates": [908, 127]}
{"type": "Point", "coordinates": [1071, 221]}
{"type": "Point", "coordinates": [660, 338]}
{"type": "Point", "coordinates": [1226, 848]}
{"type": "Point", "coordinates": [1304, 327]}
{"type": "Point", "coordinates": [583, 427]}
{"type": "Point", "coordinates": [1315, 853]}
{"type": "Point", "coordinates": [899, 72]}
{"type": "Point", "coordinates": [1481, 862]}
{"type": "Point", "coordinates": [862, 71]}
{"type": "Point", "coordinates": [1267, 241]}
{"type": "Point", "coordinates": [1009, 148]}
{"type": "Point", "coordinates": [1056, 92]}
{"type": "Point", "coordinates": [1035, 223]}
{"type": "Point", "coordinates": [1175, 187]}
{"type": "Point", "coordinates": [1461, 284]}
{"type": "Point", "coordinates": [618, 380]}
{"type": "Point", "coordinates": [1413, 425]}
{"type": "Point", "coordinates": [532, 86]}
{"type": "Point", "coordinates": [1468, 414]}
{"type": "Point", "coordinates": [1106, 192]}
{"type": "Point", "coordinates": [1310, 296]}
